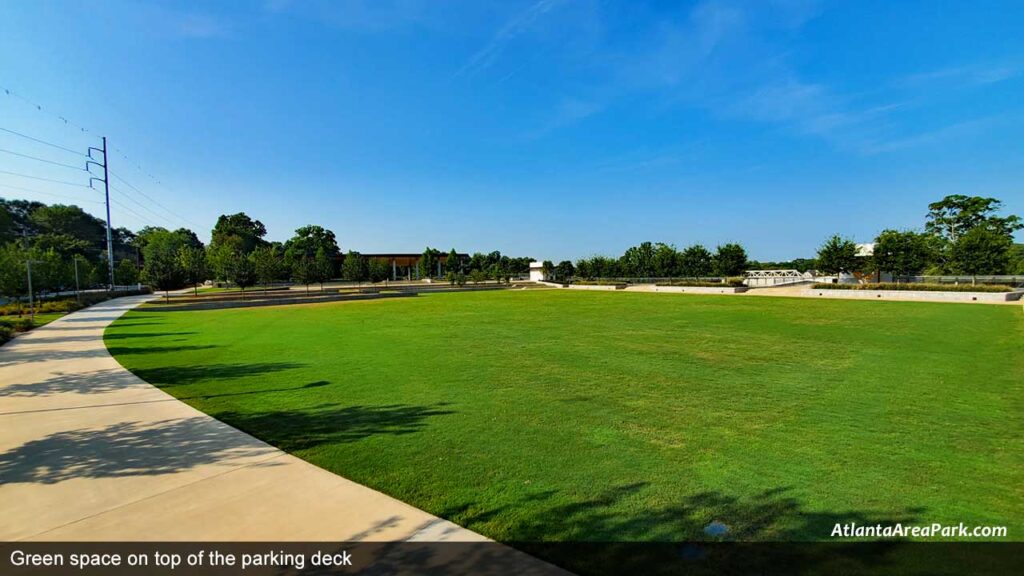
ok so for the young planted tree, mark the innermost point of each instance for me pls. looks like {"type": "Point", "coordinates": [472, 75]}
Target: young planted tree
{"type": "Point", "coordinates": [126, 273]}
{"type": "Point", "coordinates": [453, 264]}
{"type": "Point", "coordinates": [194, 266]}
{"type": "Point", "coordinates": [303, 271]}
{"type": "Point", "coordinates": [323, 267]}
{"type": "Point", "coordinates": [267, 265]}
{"type": "Point", "coordinates": [243, 272]}
{"type": "Point", "coordinates": [162, 269]}
{"type": "Point", "coordinates": [378, 270]}
{"type": "Point", "coordinates": [13, 277]}
{"type": "Point", "coordinates": [547, 267]}
{"type": "Point", "coordinates": [428, 263]}
{"type": "Point", "coordinates": [355, 267]}
{"type": "Point", "coordinates": [837, 255]}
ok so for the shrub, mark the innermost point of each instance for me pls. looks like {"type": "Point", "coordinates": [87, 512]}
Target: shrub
{"type": "Point", "coordinates": [735, 282]}
{"type": "Point", "coordinates": [600, 282]}
{"type": "Point", "coordinates": [917, 286]}
{"type": "Point", "coordinates": [5, 334]}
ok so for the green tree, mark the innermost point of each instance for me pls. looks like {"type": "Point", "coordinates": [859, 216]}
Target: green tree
{"type": "Point", "coordinates": [355, 267]}
{"type": "Point", "coordinates": [453, 263]}
{"type": "Point", "coordinates": [902, 253]}
{"type": "Point", "coordinates": [982, 250]}
{"type": "Point", "coordinates": [126, 273]}
{"type": "Point", "coordinates": [548, 268]}
{"type": "Point", "coordinates": [696, 262]}
{"type": "Point", "coordinates": [240, 231]}
{"type": "Point", "coordinates": [666, 260]}
{"type": "Point", "coordinates": [955, 215]}
{"type": "Point", "coordinates": [194, 266]}
{"type": "Point", "coordinates": [837, 255]}
{"type": "Point", "coordinates": [730, 260]}
{"type": "Point", "coordinates": [13, 276]}
{"type": "Point", "coordinates": [243, 272]}
{"type": "Point", "coordinates": [221, 260]}
{"type": "Point", "coordinates": [428, 262]}
{"type": "Point", "coordinates": [304, 271]}
{"type": "Point", "coordinates": [564, 271]}
{"type": "Point", "coordinates": [307, 240]}
{"type": "Point", "coordinates": [379, 270]}
{"type": "Point", "coordinates": [161, 268]}
{"type": "Point", "coordinates": [267, 265]}
{"type": "Point", "coordinates": [638, 261]}
{"type": "Point", "coordinates": [323, 267]}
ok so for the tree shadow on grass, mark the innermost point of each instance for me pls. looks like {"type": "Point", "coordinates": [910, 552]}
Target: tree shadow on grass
{"type": "Point", "coordinates": [618, 531]}
{"type": "Point", "coordinates": [129, 449]}
{"type": "Point", "coordinates": [329, 423]}
{"type": "Point", "coordinates": [165, 376]}
{"type": "Point", "coordinates": [125, 336]}
{"type": "Point", "coordinates": [125, 350]}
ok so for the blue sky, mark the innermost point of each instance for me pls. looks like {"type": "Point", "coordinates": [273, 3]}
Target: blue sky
{"type": "Point", "coordinates": [554, 129]}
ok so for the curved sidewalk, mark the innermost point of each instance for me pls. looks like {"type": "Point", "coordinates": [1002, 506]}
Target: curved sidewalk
{"type": "Point", "coordinates": [88, 451]}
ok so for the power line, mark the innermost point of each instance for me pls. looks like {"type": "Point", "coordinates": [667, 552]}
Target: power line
{"type": "Point", "coordinates": [147, 197]}
{"type": "Point", "coordinates": [41, 141]}
{"type": "Point", "coordinates": [11, 152]}
{"type": "Point", "coordinates": [140, 216]}
{"type": "Point", "coordinates": [43, 179]}
{"type": "Point", "coordinates": [34, 191]}
{"type": "Point", "coordinates": [39, 108]}
{"type": "Point", "coordinates": [140, 204]}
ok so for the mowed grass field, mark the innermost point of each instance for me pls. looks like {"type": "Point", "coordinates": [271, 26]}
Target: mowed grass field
{"type": "Point", "coordinates": [561, 415]}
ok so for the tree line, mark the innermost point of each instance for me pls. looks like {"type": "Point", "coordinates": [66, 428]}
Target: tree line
{"type": "Point", "coordinates": [963, 235]}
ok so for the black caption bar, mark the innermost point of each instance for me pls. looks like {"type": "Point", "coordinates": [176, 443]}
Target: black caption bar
{"type": "Point", "coordinates": [523, 558]}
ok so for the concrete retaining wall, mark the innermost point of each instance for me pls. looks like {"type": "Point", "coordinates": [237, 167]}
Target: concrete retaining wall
{"type": "Point", "coordinates": [700, 289]}
{"type": "Point", "coordinates": [597, 286]}
{"type": "Point", "coordinates": [922, 295]}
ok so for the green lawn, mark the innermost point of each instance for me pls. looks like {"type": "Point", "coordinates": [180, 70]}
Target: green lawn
{"type": "Point", "coordinates": [563, 415]}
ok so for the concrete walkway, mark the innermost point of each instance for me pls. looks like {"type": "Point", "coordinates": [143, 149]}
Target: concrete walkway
{"type": "Point", "coordinates": [88, 451]}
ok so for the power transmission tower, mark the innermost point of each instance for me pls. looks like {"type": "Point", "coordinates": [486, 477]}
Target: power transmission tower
{"type": "Point", "coordinates": [106, 191]}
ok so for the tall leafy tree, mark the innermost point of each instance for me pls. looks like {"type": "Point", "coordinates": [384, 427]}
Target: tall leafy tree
{"type": "Point", "coordinates": [982, 250]}
{"type": "Point", "coordinates": [730, 259]}
{"type": "Point", "coordinates": [902, 253]}
{"type": "Point", "coordinates": [564, 270]}
{"type": "Point", "coordinates": [638, 261]}
{"type": "Point", "coordinates": [955, 215]}
{"type": "Point", "coordinates": [194, 266]}
{"type": "Point", "coordinates": [307, 240]}
{"type": "Point", "coordinates": [696, 262]}
{"type": "Point", "coordinates": [837, 255]}
{"type": "Point", "coordinates": [239, 230]}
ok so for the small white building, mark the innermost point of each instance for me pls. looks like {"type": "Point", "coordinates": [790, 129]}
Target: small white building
{"type": "Point", "coordinates": [537, 272]}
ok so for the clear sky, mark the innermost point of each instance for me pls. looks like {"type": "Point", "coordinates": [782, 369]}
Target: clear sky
{"type": "Point", "coordinates": [553, 129]}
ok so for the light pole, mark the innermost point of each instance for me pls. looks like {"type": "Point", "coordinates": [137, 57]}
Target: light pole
{"type": "Point", "coordinates": [77, 297]}
{"type": "Point", "coordinates": [31, 301]}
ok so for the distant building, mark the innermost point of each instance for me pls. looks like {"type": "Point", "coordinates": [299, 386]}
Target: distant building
{"type": "Point", "coordinates": [537, 272]}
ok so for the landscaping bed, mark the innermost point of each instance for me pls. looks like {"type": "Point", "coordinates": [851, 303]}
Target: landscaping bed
{"type": "Point", "coordinates": [916, 286]}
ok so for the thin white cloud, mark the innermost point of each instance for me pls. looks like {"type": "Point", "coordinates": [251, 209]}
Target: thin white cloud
{"type": "Point", "coordinates": [485, 57]}
{"type": "Point", "coordinates": [974, 75]}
